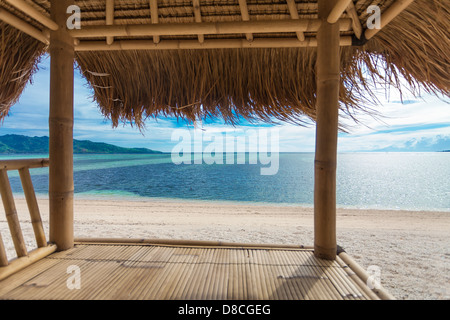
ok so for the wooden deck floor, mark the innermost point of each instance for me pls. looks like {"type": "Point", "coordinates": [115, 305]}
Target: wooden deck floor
{"type": "Point", "coordinates": [126, 271]}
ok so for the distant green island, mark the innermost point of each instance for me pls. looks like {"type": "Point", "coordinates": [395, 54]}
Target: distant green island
{"type": "Point", "coordinates": [18, 144]}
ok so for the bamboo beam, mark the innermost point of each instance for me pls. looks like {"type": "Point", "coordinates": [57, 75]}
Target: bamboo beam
{"type": "Point", "coordinates": [198, 18]}
{"type": "Point", "coordinates": [23, 262]}
{"type": "Point", "coordinates": [176, 242]}
{"type": "Point", "coordinates": [154, 17]}
{"type": "Point", "coordinates": [208, 44]}
{"type": "Point", "coordinates": [327, 110]}
{"type": "Point", "coordinates": [362, 286]}
{"type": "Point", "coordinates": [33, 207]}
{"type": "Point", "coordinates": [293, 11]}
{"type": "Point", "coordinates": [22, 26]}
{"type": "Point", "coordinates": [3, 257]}
{"type": "Point", "coordinates": [363, 275]}
{"type": "Point", "coordinates": [218, 28]}
{"type": "Point", "coordinates": [22, 163]}
{"type": "Point", "coordinates": [390, 14]}
{"type": "Point", "coordinates": [11, 214]}
{"type": "Point", "coordinates": [356, 23]}
{"type": "Point", "coordinates": [245, 17]}
{"type": "Point", "coordinates": [61, 187]}
{"type": "Point", "coordinates": [109, 18]}
{"type": "Point", "coordinates": [338, 10]}
{"type": "Point", "coordinates": [33, 13]}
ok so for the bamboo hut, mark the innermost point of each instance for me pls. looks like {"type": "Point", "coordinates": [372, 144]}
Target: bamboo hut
{"type": "Point", "coordinates": [270, 61]}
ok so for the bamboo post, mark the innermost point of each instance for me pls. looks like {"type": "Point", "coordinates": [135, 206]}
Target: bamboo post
{"type": "Point", "coordinates": [3, 257]}
{"type": "Point", "coordinates": [61, 186]}
{"type": "Point", "coordinates": [11, 214]}
{"type": "Point", "coordinates": [33, 207]}
{"type": "Point", "coordinates": [328, 81]}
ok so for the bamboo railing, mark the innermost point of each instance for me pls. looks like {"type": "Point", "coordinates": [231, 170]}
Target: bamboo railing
{"type": "Point", "coordinates": [24, 258]}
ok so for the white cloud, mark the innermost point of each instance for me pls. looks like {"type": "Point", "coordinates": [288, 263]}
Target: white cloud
{"type": "Point", "coordinates": [399, 123]}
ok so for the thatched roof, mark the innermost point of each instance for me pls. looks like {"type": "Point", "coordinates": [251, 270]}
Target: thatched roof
{"type": "Point", "coordinates": [267, 83]}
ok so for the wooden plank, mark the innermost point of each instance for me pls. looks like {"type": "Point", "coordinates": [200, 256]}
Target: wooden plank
{"type": "Point", "coordinates": [261, 268]}
{"type": "Point", "coordinates": [33, 207]}
{"type": "Point", "coordinates": [159, 257]}
{"type": "Point", "coordinates": [196, 284]}
{"type": "Point", "coordinates": [271, 279]}
{"type": "Point", "coordinates": [186, 272]}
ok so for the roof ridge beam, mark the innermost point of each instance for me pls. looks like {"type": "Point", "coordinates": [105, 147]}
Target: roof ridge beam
{"type": "Point", "coordinates": [121, 45]}
{"type": "Point", "coordinates": [217, 28]}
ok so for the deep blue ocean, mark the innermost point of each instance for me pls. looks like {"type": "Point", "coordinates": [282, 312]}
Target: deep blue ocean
{"type": "Point", "coordinates": [412, 181]}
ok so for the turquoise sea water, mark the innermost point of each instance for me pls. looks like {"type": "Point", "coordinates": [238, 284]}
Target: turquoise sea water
{"type": "Point", "coordinates": [412, 181]}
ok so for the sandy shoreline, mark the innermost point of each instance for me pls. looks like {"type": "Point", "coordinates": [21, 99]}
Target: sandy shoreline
{"type": "Point", "coordinates": [411, 248]}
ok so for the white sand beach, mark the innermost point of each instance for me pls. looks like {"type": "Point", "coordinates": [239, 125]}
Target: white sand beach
{"type": "Point", "coordinates": [411, 248]}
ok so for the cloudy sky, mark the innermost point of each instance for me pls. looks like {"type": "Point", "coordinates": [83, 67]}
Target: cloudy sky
{"type": "Point", "coordinates": [414, 125]}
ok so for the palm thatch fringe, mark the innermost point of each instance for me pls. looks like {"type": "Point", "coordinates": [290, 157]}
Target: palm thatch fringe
{"type": "Point", "coordinates": [19, 56]}
{"type": "Point", "coordinates": [411, 54]}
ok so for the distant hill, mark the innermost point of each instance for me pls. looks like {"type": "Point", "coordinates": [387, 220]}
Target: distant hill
{"type": "Point", "coordinates": [18, 144]}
